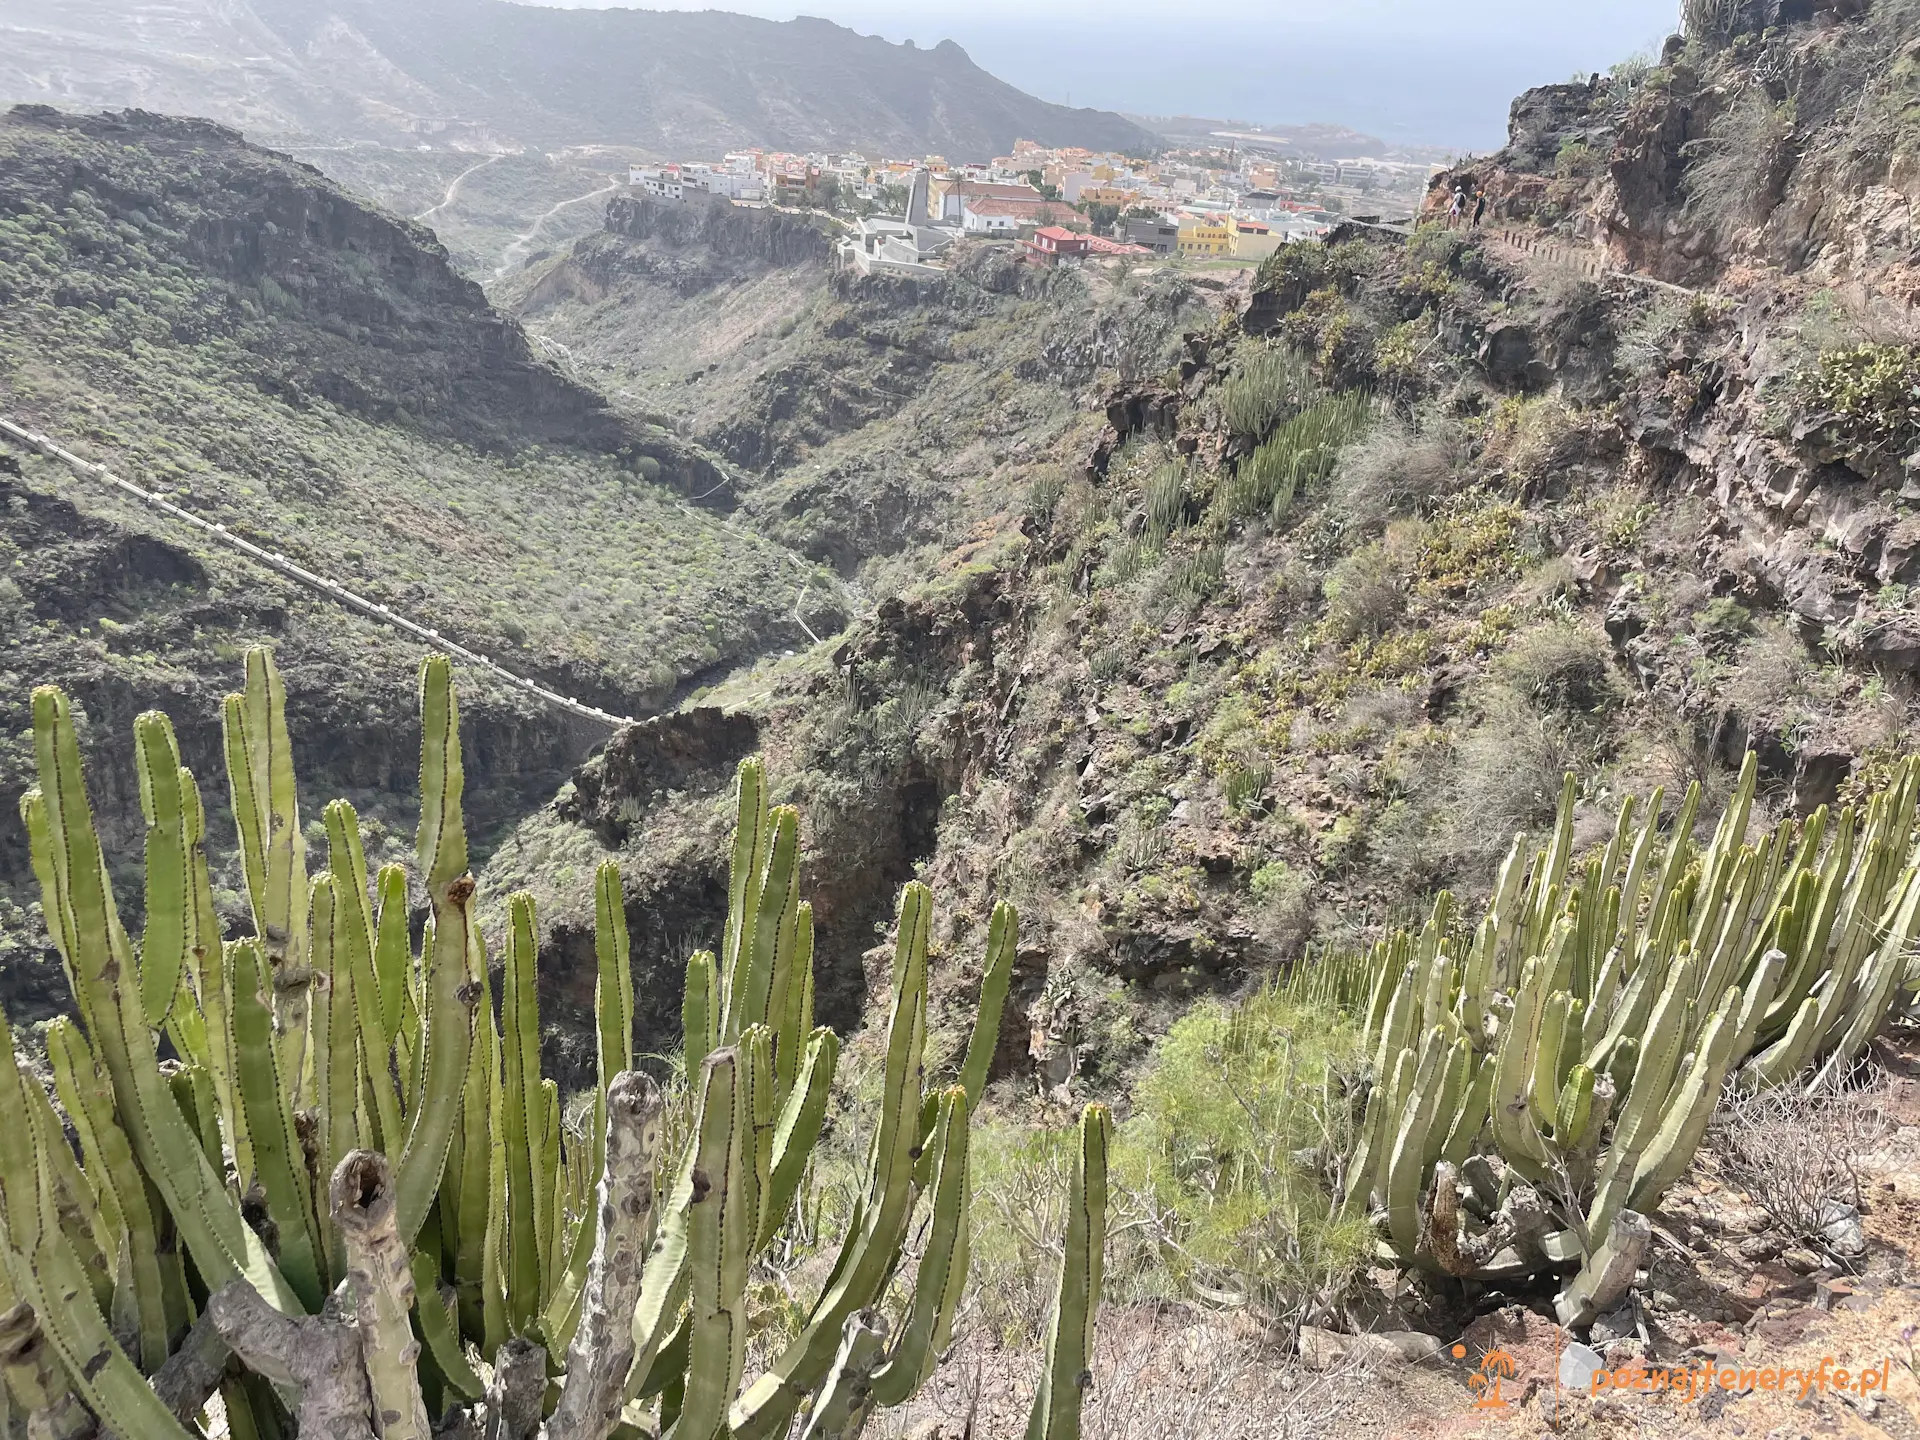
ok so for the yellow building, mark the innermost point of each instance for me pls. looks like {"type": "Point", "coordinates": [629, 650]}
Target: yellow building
{"type": "Point", "coordinates": [1254, 241]}
{"type": "Point", "coordinates": [1206, 237]}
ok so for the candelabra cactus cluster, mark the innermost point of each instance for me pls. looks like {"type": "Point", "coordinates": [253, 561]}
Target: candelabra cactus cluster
{"type": "Point", "coordinates": [1542, 1078]}
{"type": "Point", "coordinates": [352, 1181]}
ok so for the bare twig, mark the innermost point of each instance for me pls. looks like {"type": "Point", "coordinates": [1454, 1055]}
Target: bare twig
{"type": "Point", "coordinates": [519, 1385]}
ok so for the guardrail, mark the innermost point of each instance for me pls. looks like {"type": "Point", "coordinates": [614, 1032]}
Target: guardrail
{"type": "Point", "coordinates": [1594, 264]}
{"type": "Point", "coordinates": [278, 563]}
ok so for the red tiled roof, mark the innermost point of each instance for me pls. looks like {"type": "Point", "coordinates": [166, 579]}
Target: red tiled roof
{"type": "Point", "coordinates": [1100, 245]}
{"type": "Point", "coordinates": [1038, 211]}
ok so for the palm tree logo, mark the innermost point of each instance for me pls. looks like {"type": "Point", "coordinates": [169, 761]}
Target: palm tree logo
{"type": "Point", "coordinates": [1495, 1366]}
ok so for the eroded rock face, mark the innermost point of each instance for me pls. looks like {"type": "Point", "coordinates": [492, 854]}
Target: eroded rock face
{"type": "Point", "coordinates": [1544, 120]}
{"type": "Point", "coordinates": [642, 763]}
{"type": "Point", "coordinates": [723, 235]}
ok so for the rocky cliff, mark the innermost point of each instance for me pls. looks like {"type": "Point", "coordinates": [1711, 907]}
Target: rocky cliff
{"type": "Point", "coordinates": [1222, 678]}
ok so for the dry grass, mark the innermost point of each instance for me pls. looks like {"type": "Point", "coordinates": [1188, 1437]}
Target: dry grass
{"type": "Point", "coordinates": [1395, 471]}
{"type": "Point", "coordinates": [1560, 666]}
{"type": "Point", "coordinates": [1730, 182]}
{"type": "Point", "coordinates": [1366, 593]}
{"type": "Point", "coordinates": [1159, 1373]}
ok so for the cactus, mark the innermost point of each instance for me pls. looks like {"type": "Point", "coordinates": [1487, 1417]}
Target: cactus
{"type": "Point", "coordinates": [1603, 1001]}
{"type": "Point", "coordinates": [493, 1225]}
{"type": "Point", "coordinates": [1068, 1371]}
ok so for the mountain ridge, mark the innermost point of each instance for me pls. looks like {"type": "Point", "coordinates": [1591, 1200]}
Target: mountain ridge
{"type": "Point", "coordinates": [490, 74]}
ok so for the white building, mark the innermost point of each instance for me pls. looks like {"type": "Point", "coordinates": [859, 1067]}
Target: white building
{"type": "Point", "coordinates": [734, 184]}
{"type": "Point", "coordinates": [981, 218]}
{"type": "Point", "coordinates": [902, 245]}
{"type": "Point", "coordinates": [665, 183]}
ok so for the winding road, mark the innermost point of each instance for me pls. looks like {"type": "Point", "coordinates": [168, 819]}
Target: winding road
{"type": "Point", "coordinates": [521, 243]}
{"type": "Point", "coordinates": [453, 189]}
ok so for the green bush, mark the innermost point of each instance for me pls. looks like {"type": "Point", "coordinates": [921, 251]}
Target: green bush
{"type": "Point", "coordinates": [1301, 454]}
{"type": "Point", "coordinates": [1576, 160]}
{"type": "Point", "coordinates": [1872, 393]}
{"type": "Point", "coordinates": [1723, 622]}
{"type": "Point", "coordinates": [1044, 494]}
{"type": "Point", "coordinates": [1238, 1111]}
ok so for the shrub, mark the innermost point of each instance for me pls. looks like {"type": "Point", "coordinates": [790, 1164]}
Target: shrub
{"type": "Point", "coordinates": [1712, 24]}
{"type": "Point", "coordinates": [1267, 385]}
{"type": "Point", "coordinates": [1394, 471]}
{"type": "Point", "coordinates": [1576, 159]}
{"type": "Point", "coordinates": [1794, 1153]}
{"type": "Point", "coordinates": [1722, 622]}
{"type": "Point", "coordinates": [1300, 455]}
{"type": "Point", "coordinates": [1399, 352]}
{"type": "Point", "coordinates": [1200, 571]}
{"type": "Point", "coordinates": [1326, 327]}
{"type": "Point", "coordinates": [1732, 172]}
{"type": "Point", "coordinates": [1873, 394]}
{"type": "Point", "coordinates": [1243, 782]}
{"type": "Point", "coordinates": [1341, 847]}
{"type": "Point", "coordinates": [1044, 494]}
{"type": "Point", "coordinates": [1166, 501]}
{"type": "Point", "coordinates": [1238, 1110]}
{"type": "Point", "coordinates": [1366, 594]}
{"type": "Point", "coordinates": [1505, 776]}
{"type": "Point", "coordinates": [1310, 266]}
{"type": "Point", "coordinates": [1283, 915]}
{"type": "Point", "coordinates": [1019, 1177]}
{"type": "Point", "coordinates": [1532, 437]}
{"type": "Point", "coordinates": [1560, 666]}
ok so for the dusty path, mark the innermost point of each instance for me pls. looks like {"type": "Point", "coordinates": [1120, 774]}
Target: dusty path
{"type": "Point", "coordinates": [453, 189]}
{"type": "Point", "coordinates": [523, 242]}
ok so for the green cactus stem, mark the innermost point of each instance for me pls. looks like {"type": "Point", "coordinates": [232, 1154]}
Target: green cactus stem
{"type": "Point", "coordinates": [1067, 1374]}
{"type": "Point", "coordinates": [717, 1241]}
{"type": "Point", "coordinates": [942, 1274]}
{"type": "Point", "coordinates": [846, 1401]}
{"type": "Point", "coordinates": [1608, 1274]}
{"type": "Point", "coordinates": [272, 848]}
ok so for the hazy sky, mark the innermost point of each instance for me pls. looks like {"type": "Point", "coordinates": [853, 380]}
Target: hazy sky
{"type": "Point", "coordinates": [1411, 70]}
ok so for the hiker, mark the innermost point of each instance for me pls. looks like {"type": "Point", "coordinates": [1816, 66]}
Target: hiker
{"type": "Point", "coordinates": [1459, 202]}
{"type": "Point", "coordinates": [1479, 207]}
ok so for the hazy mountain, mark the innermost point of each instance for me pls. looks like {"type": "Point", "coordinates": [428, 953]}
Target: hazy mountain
{"type": "Point", "coordinates": [396, 71]}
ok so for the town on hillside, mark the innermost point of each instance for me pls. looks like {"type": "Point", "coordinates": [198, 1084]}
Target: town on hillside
{"type": "Point", "coordinates": [1235, 202]}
